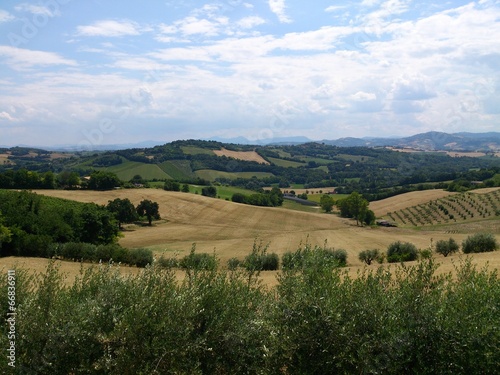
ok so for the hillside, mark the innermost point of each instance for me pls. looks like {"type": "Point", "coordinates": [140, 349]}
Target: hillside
{"type": "Point", "coordinates": [230, 229]}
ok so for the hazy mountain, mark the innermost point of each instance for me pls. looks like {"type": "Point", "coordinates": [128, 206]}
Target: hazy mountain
{"type": "Point", "coordinates": [430, 141]}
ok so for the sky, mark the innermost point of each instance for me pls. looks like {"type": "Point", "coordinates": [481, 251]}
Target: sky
{"type": "Point", "coordinates": [94, 72]}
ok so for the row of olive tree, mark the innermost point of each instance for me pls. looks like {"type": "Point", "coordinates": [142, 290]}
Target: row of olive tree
{"type": "Point", "coordinates": [317, 320]}
{"type": "Point", "coordinates": [405, 251]}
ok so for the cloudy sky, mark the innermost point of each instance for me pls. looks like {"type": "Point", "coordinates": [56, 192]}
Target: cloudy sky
{"type": "Point", "coordinates": [93, 72]}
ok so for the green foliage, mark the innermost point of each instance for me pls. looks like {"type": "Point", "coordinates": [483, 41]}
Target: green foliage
{"type": "Point", "coordinates": [401, 252]}
{"type": "Point", "coordinates": [185, 188]}
{"type": "Point", "coordinates": [447, 247]}
{"type": "Point", "coordinates": [123, 210]}
{"type": "Point", "coordinates": [35, 222]}
{"type": "Point", "coordinates": [100, 180]}
{"type": "Point", "coordinates": [308, 257]}
{"type": "Point", "coordinates": [479, 243]}
{"type": "Point", "coordinates": [149, 209]}
{"type": "Point", "coordinates": [354, 206]}
{"type": "Point", "coordinates": [199, 261]}
{"type": "Point", "coordinates": [401, 320]}
{"type": "Point", "coordinates": [209, 191]}
{"type": "Point", "coordinates": [368, 256]}
{"type": "Point", "coordinates": [326, 202]}
{"type": "Point", "coordinates": [107, 160]}
{"type": "Point", "coordinates": [171, 185]}
{"type": "Point", "coordinates": [233, 264]}
{"type": "Point", "coordinates": [260, 260]}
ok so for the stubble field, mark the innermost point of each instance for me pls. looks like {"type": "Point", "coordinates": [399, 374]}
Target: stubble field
{"type": "Point", "coordinates": [230, 229]}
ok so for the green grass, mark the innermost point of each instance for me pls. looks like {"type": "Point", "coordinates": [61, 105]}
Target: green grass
{"type": "Point", "coordinates": [211, 175]}
{"type": "Point", "coordinates": [291, 205]}
{"type": "Point", "coordinates": [227, 191]}
{"type": "Point", "coordinates": [127, 170]}
{"type": "Point", "coordinates": [193, 150]}
{"type": "Point", "coordinates": [316, 197]}
{"type": "Point", "coordinates": [286, 163]}
{"type": "Point", "coordinates": [354, 158]}
{"type": "Point", "coordinates": [177, 169]}
{"type": "Point", "coordinates": [321, 161]}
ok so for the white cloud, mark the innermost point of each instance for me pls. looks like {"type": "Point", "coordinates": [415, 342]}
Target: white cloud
{"type": "Point", "coordinates": [278, 7]}
{"type": "Point", "coordinates": [38, 9]}
{"type": "Point", "coordinates": [6, 116]}
{"type": "Point", "coordinates": [19, 58]}
{"type": "Point", "coordinates": [362, 96]}
{"type": "Point", "coordinates": [250, 22]}
{"type": "Point", "coordinates": [5, 16]}
{"type": "Point", "coordinates": [110, 28]}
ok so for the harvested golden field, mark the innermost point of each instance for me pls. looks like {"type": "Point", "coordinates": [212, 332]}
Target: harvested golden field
{"type": "Point", "coordinates": [230, 228]}
{"type": "Point", "coordinates": [4, 158]}
{"type": "Point", "coordinates": [241, 155]}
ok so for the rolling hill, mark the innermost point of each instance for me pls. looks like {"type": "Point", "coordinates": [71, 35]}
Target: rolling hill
{"type": "Point", "coordinates": [230, 228]}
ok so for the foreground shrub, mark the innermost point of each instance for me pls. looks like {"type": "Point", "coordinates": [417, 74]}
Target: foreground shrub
{"type": "Point", "coordinates": [479, 243]}
{"type": "Point", "coordinates": [317, 320]}
{"type": "Point", "coordinates": [233, 264]}
{"type": "Point", "coordinates": [167, 263]}
{"type": "Point", "coordinates": [401, 252]}
{"type": "Point", "coordinates": [446, 247]}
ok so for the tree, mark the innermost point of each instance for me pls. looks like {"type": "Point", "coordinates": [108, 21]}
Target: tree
{"type": "Point", "coordinates": [98, 226]}
{"type": "Point", "coordinates": [185, 188]}
{"type": "Point", "coordinates": [5, 234]}
{"type": "Point", "coordinates": [446, 247]}
{"type": "Point", "coordinates": [123, 210]}
{"type": "Point", "coordinates": [368, 256]}
{"type": "Point", "coordinates": [354, 206]}
{"type": "Point", "coordinates": [149, 209]}
{"type": "Point", "coordinates": [326, 202]}
{"type": "Point", "coordinates": [239, 198]}
{"type": "Point", "coordinates": [209, 191]}
{"type": "Point", "coordinates": [369, 217]}
{"type": "Point", "coordinates": [401, 252]}
{"type": "Point", "coordinates": [479, 243]}
{"type": "Point", "coordinates": [171, 185]}
{"type": "Point", "coordinates": [100, 180]}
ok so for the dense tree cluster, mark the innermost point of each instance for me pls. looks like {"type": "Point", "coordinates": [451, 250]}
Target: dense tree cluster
{"type": "Point", "coordinates": [270, 198]}
{"type": "Point", "coordinates": [35, 221]}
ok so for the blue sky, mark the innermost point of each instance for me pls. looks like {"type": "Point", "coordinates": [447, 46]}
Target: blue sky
{"type": "Point", "coordinates": [106, 72]}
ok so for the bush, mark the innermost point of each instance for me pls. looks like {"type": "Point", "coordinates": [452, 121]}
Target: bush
{"type": "Point", "coordinates": [167, 262]}
{"type": "Point", "coordinates": [199, 261]}
{"type": "Point", "coordinates": [401, 252]}
{"type": "Point", "coordinates": [446, 247]}
{"type": "Point", "coordinates": [239, 198]}
{"type": "Point", "coordinates": [209, 191]}
{"type": "Point", "coordinates": [233, 264]}
{"type": "Point", "coordinates": [262, 262]}
{"type": "Point", "coordinates": [368, 256]}
{"type": "Point", "coordinates": [140, 257]}
{"type": "Point", "coordinates": [172, 186]}
{"type": "Point", "coordinates": [308, 257]}
{"type": "Point", "coordinates": [479, 243]}
{"type": "Point", "coordinates": [78, 251]}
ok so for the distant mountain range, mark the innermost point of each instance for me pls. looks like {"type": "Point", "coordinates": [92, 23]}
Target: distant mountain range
{"type": "Point", "coordinates": [430, 141]}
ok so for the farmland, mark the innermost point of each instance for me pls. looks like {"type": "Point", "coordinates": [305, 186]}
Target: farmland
{"type": "Point", "coordinates": [230, 229]}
